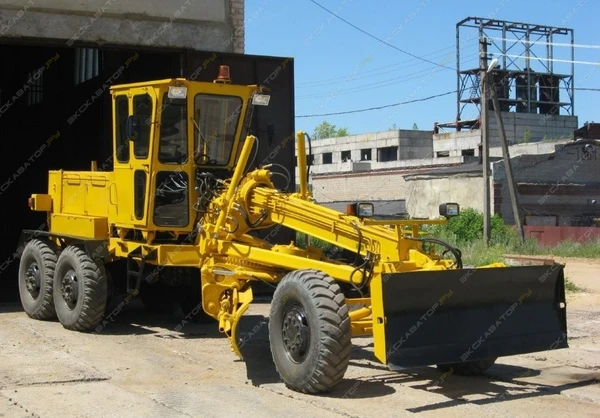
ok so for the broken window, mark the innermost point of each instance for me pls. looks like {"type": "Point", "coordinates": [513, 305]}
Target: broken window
{"type": "Point", "coordinates": [87, 64]}
{"type": "Point", "coordinates": [387, 154]}
{"type": "Point", "coordinates": [346, 156]}
{"type": "Point", "coordinates": [365, 154]}
{"type": "Point", "coordinates": [327, 158]}
{"type": "Point", "coordinates": [468, 153]}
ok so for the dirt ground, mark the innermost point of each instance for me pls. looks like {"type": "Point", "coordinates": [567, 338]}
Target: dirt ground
{"type": "Point", "coordinates": [139, 365]}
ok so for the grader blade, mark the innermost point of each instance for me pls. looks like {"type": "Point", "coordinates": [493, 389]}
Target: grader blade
{"type": "Point", "coordinates": [441, 317]}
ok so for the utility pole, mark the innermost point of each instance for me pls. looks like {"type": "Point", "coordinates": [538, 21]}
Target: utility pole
{"type": "Point", "coordinates": [514, 199]}
{"type": "Point", "coordinates": [485, 146]}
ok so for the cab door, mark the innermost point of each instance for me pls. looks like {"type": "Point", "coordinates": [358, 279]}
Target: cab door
{"type": "Point", "coordinates": [133, 132]}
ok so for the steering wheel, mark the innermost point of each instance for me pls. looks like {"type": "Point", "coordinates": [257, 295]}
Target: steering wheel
{"type": "Point", "coordinates": [204, 159]}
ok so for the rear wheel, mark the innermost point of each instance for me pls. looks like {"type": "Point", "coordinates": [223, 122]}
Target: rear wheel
{"type": "Point", "coordinates": [470, 368]}
{"type": "Point", "coordinates": [80, 290]}
{"type": "Point", "coordinates": [309, 331]}
{"type": "Point", "coordinates": [36, 276]}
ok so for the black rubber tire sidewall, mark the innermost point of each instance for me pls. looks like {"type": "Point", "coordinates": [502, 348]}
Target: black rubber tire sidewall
{"type": "Point", "coordinates": [294, 372]}
{"type": "Point", "coordinates": [43, 306]}
{"type": "Point", "coordinates": [88, 311]}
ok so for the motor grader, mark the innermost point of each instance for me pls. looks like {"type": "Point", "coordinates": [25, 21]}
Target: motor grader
{"type": "Point", "coordinates": [184, 198]}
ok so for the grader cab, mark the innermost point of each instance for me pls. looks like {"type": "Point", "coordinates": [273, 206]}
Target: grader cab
{"type": "Point", "coordinates": [184, 200]}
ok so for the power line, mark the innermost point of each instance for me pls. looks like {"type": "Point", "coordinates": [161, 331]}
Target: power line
{"type": "Point", "coordinates": [314, 83]}
{"type": "Point", "coordinates": [547, 43]}
{"type": "Point", "coordinates": [379, 107]}
{"type": "Point", "coordinates": [372, 86]}
{"type": "Point", "coordinates": [551, 59]}
{"type": "Point", "coordinates": [379, 39]}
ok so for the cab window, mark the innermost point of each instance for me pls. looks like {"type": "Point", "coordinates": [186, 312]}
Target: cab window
{"type": "Point", "coordinates": [121, 140]}
{"type": "Point", "coordinates": [216, 120]}
{"type": "Point", "coordinates": [142, 107]}
{"type": "Point", "coordinates": [172, 147]}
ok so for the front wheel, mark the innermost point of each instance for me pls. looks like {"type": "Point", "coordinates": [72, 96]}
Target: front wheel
{"type": "Point", "coordinates": [309, 331]}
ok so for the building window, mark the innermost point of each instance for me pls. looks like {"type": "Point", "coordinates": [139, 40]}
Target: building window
{"type": "Point", "coordinates": [327, 158]}
{"type": "Point", "coordinates": [387, 154]}
{"type": "Point", "coordinates": [346, 156]}
{"type": "Point", "coordinates": [365, 154]}
{"type": "Point", "coordinates": [440, 154]}
{"type": "Point", "coordinates": [468, 153]}
{"type": "Point", "coordinates": [35, 80]}
{"type": "Point", "coordinates": [87, 64]}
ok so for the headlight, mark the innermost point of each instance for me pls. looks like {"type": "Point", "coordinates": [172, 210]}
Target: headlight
{"type": "Point", "coordinates": [177, 92]}
{"type": "Point", "coordinates": [449, 210]}
{"type": "Point", "coordinates": [261, 99]}
{"type": "Point", "coordinates": [362, 209]}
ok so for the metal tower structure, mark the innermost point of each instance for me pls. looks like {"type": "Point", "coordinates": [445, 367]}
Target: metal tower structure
{"type": "Point", "coordinates": [535, 71]}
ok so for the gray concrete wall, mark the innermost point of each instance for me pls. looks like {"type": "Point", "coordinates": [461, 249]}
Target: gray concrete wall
{"type": "Point", "coordinates": [569, 165]}
{"type": "Point", "coordinates": [426, 194]}
{"type": "Point", "coordinates": [540, 128]}
{"type": "Point", "coordinates": [361, 183]}
{"type": "Point", "coordinates": [412, 145]}
{"type": "Point", "coordinates": [197, 24]}
{"type": "Point", "coordinates": [517, 125]}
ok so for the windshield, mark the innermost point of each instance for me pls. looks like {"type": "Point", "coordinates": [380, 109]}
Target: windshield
{"type": "Point", "coordinates": [215, 123]}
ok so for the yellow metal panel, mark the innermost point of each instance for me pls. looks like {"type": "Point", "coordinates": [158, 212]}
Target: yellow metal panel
{"type": "Point", "coordinates": [166, 254]}
{"type": "Point", "coordinates": [83, 192]}
{"type": "Point", "coordinates": [42, 202]}
{"type": "Point", "coordinates": [379, 347]}
{"type": "Point", "coordinates": [79, 225]}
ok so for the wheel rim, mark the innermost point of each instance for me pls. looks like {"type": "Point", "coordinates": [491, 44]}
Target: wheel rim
{"type": "Point", "coordinates": [33, 280]}
{"type": "Point", "coordinates": [70, 288]}
{"type": "Point", "coordinates": [296, 333]}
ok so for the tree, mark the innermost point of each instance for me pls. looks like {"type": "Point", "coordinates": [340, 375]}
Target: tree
{"type": "Point", "coordinates": [415, 127]}
{"type": "Point", "coordinates": [328, 130]}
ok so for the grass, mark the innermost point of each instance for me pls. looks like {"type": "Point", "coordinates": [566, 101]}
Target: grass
{"type": "Point", "coordinates": [572, 287]}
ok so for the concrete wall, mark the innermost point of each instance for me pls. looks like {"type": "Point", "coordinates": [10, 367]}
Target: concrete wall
{"type": "Point", "coordinates": [411, 144]}
{"type": "Point", "coordinates": [197, 24]}
{"type": "Point", "coordinates": [570, 165]}
{"type": "Point", "coordinates": [426, 194]}
{"type": "Point", "coordinates": [364, 184]}
{"type": "Point", "coordinates": [540, 128]}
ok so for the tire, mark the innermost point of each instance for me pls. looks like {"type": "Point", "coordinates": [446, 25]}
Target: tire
{"type": "Point", "coordinates": [470, 368]}
{"type": "Point", "coordinates": [80, 290]}
{"type": "Point", "coordinates": [36, 279]}
{"type": "Point", "coordinates": [313, 304]}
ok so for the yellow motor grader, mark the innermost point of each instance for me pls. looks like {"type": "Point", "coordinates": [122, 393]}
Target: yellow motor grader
{"type": "Point", "coordinates": [182, 199]}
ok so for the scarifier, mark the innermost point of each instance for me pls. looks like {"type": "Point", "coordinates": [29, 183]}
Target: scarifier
{"type": "Point", "coordinates": [182, 205]}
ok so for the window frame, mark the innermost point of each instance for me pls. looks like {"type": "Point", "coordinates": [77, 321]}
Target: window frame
{"type": "Point", "coordinates": [241, 105]}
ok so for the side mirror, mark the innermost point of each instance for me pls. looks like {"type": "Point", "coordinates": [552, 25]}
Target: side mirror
{"type": "Point", "coordinates": [270, 133]}
{"type": "Point", "coordinates": [132, 129]}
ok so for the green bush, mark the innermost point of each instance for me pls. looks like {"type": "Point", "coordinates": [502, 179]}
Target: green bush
{"type": "Point", "coordinates": [468, 227]}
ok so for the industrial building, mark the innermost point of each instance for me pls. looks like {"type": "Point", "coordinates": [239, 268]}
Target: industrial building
{"type": "Point", "coordinates": [409, 173]}
{"type": "Point", "coordinates": [60, 59]}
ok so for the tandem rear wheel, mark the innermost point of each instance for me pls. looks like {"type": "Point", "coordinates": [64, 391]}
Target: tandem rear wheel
{"type": "Point", "coordinates": [80, 290]}
{"type": "Point", "coordinates": [309, 331]}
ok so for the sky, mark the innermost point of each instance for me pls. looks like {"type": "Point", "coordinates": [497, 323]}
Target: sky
{"type": "Point", "coordinates": [338, 68]}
